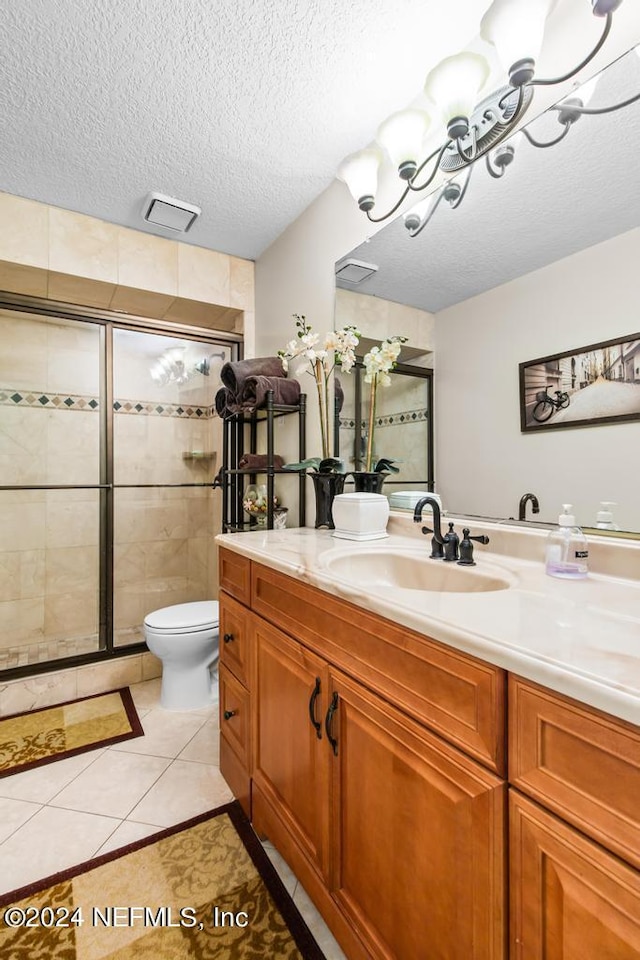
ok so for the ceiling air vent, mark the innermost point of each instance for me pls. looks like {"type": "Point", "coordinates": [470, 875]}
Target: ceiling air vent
{"type": "Point", "coordinates": [354, 271]}
{"type": "Point", "coordinates": [170, 213]}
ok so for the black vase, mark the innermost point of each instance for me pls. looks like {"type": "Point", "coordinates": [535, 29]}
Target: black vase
{"type": "Point", "coordinates": [368, 482]}
{"type": "Point", "coordinates": [326, 487]}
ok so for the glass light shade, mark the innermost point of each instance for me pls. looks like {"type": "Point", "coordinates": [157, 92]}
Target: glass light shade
{"type": "Point", "coordinates": [360, 173]}
{"type": "Point", "coordinates": [455, 83]}
{"type": "Point", "coordinates": [402, 135]}
{"type": "Point", "coordinates": [516, 28]}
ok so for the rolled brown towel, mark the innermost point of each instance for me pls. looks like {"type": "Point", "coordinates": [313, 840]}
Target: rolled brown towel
{"type": "Point", "coordinates": [226, 403]}
{"type": "Point", "coordinates": [234, 373]}
{"type": "Point", "coordinates": [259, 461]}
{"type": "Point", "coordinates": [255, 389]}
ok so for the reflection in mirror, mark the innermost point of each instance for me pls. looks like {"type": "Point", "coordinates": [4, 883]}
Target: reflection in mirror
{"type": "Point", "coordinates": [538, 262]}
{"type": "Point", "coordinates": [403, 426]}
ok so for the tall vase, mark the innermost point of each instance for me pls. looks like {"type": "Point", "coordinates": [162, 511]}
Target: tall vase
{"type": "Point", "coordinates": [326, 487]}
{"type": "Point", "coordinates": [368, 482]}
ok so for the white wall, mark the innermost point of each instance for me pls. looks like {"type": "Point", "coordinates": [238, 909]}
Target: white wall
{"type": "Point", "coordinates": [484, 463]}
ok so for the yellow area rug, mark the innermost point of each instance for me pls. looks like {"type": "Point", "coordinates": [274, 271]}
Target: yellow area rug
{"type": "Point", "coordinates": [204, 889]}
{"type": "Point", "coordinates": [40, 736]}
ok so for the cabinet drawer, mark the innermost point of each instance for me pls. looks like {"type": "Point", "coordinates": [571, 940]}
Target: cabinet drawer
{"type": "Point", "coordinates": [583, 764]}
{"type": "Point", "coordinates": [234, 715]}
{"type": "Point", "coordinates": [234, 638]}
{"type": "Point", "coordinates": [461, 698]}
{"type": "Point", "coordinates": [235, 575]}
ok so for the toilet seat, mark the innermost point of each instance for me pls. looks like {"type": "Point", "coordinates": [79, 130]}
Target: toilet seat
{"type": "Point", "coordinates": [184, 618]}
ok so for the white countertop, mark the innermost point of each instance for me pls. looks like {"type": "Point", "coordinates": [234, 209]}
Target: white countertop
{"type": "Point", "coordinates": [578, 637]}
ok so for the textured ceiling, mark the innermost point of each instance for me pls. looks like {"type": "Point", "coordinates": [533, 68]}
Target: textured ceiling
{"type": "Point", "coordinates": [549, 204]}
{"type": "Point", "coordinates": [243, 107]}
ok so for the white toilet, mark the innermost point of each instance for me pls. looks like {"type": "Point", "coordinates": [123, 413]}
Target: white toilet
{"type": "Point", "coordinates": [185, 638]}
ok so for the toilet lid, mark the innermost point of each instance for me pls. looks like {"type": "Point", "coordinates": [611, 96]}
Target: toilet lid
{"type": "Point", "coordinates": [184, 616]}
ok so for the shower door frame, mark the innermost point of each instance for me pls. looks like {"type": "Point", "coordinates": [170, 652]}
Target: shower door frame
{"type": "Point", "coordinates": [107, 321]}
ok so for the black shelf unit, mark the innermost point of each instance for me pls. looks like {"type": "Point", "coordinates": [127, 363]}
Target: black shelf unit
{"type": "Point", "coordinates": [241, 434]}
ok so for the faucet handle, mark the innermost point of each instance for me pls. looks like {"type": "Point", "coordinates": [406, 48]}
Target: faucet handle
{"type": "Point", "coordinates": [437, 552]}
{"type": "Point", "coordinates": [466, 547]}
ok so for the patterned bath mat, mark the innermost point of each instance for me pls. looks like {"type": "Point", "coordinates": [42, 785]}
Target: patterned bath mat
{"type": "Point", "coordinates": [204, 889]}
{"type": "Point", "coordinates": [40, 736]}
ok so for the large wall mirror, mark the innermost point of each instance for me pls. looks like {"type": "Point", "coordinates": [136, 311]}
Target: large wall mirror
{"type": "Point", "coordinates": [542, 261]}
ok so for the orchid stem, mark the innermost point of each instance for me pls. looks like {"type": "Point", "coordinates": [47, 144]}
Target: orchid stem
{"type": "Point", "coordinates": [372, 415]}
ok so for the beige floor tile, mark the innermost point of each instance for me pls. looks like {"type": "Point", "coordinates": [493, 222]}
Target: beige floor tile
{"type": "Point", "coordinates": [51, 841]}
{"type": "Point", "coordinates": [13, 813]}
{"type": "Point", "coordinates": [127, 832]}
{"type": "Point", "coordinates": [166, 734]}
{"type": "Point", "coordinates": [283, 869]}
{"type": "Point", "coordinates": [42, 783]}
{"type": "Point", "coordinates": [324, 938]}
{"type": "Point", "coordinates": [113, 785]}
{"type": "Point", "coordinates": [146, 695]}
{"type": "Point", "coordinates": [205, 745]}
{"type": "Point", "coordinates": [185, 790]}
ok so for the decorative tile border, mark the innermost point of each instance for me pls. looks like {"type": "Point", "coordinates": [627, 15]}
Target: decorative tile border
{"type": "Point", "coordinates": [60, 401]}
{"type": "Point", "coordinates": [147, 408]}
{"type": "Point", "coordinates": [391, 420]}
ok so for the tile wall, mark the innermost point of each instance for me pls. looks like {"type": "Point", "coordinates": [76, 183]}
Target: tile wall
{"type": "Point", "coordinates": [49, 252]}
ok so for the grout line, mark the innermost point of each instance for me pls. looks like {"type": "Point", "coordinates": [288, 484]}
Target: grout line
{"type": "Point", "coordinates": [40, 806]}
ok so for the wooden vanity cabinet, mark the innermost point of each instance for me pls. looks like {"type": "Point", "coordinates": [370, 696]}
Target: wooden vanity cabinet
{"type": "Point", "coordinates": [376, 764]}
{"type": "Point", "coordinates": [396, 834]}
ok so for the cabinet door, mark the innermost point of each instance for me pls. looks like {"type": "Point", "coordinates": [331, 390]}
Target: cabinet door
{"type": "Point", "coordinates": [417, 831]}
{"type": "Point", "coordinates": [570, 899]}
{"type": "Point", "coordinates": [290, 750]}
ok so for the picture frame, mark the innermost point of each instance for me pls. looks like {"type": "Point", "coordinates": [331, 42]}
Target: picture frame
{"type": "Point", "coordinates": [588, 386]}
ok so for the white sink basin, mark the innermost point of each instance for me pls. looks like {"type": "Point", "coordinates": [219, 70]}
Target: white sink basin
{"type": "Point", "coordinates": [412, 570]}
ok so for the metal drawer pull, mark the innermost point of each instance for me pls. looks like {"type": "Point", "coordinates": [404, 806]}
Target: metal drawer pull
{"type": "Point", "coordinates": [312, 709]}
{"type": "Point", "coordinates": [229, 713]}
{"type": "Point", "coordinates": [333, 706]}
{"type": "Point", "coordinates": [228, 637]}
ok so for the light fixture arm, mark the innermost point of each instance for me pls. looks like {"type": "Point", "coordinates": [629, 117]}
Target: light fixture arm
{"type": "Point", "coordinates": [456, 203]}
{"type": "Point", "coordinates": [410, 184]}
{"type": "Point", "coordinates": [567, 76]}
{"type": "Point", "coordinates": [420, 228]}
{"type": "Point", "coordinates": [538, 143]}
{"type": "Point", "coordinates": [595, 111]}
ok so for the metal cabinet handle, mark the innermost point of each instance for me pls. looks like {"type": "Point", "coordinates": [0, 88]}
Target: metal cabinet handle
{"type": "Point", "coordinates": [229, 713]}
{"type": "Point", "coordinates": [312, 709]}
{"type": "Point", "coordinates": [328, 720]}
{"type": "Point", "coordinates": [228, 637]}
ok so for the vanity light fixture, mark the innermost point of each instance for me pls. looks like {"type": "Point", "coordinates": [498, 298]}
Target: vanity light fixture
{"type": "Point", "coordinates": [515, 28]}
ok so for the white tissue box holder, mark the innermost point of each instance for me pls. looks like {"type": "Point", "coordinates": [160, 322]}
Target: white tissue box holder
{"type": "Point", "coordinates": [360, 516]}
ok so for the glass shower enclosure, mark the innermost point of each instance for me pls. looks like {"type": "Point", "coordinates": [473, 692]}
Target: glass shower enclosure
{"type": "Point", "coordinates": [109, 446]}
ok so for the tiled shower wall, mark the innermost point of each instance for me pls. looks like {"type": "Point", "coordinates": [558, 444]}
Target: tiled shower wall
{"type": "Point", "coordinates": [49, 540]}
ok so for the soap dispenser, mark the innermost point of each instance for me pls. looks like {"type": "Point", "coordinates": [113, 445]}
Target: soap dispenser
{"type": "Point", "coordinates": [604, 518]}
{"type": "Point", "coordinates": [567, 550]}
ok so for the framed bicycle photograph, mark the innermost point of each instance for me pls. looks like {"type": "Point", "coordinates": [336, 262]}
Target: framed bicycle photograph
{"type": "Point", "coordinates": [599, 383]}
